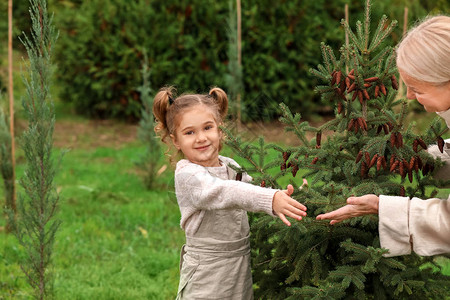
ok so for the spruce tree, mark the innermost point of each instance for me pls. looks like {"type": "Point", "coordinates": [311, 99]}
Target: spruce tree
{"type": "Point", "coordinates": [36, 225]}
{"type": "Point", "coordinates": [146, 131]}
{"type": "Point", "coordinates": [368, 149]}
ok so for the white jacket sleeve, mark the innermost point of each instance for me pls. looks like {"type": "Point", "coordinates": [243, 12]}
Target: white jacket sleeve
{"type": "Point", "coordinates": [422, 226]}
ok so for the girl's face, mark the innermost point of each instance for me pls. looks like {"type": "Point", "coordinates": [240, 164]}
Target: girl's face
{"type": "Point", "coordinates": [198, 136]}
{"type": "Point", "coordinates": [434, 98]}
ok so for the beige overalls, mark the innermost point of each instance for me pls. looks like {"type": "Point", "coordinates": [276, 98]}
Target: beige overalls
{"type": "Point", "coordinates": [215, 261]}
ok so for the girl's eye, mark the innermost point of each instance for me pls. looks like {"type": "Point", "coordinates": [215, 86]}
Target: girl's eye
{"type": "Point", "coordinates": [208, 127]}
{"type": "Point", "coordinates": [189, 132]}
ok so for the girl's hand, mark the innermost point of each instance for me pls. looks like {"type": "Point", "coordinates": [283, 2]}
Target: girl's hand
{"type": "Point", "coordinates": [283, 205]}
{"type": "Point", "coordinates": [356, 207]}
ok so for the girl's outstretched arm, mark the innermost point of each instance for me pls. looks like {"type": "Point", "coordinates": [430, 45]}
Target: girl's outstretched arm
{"type": "Point", "coordinates": [283, 205]}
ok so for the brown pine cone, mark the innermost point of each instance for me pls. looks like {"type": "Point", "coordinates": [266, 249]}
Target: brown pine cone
{"type": "Point", "coordinates": [338, 76]}
{"type": "Point", "coordinates": [371, 79]}
{"type": "Point", "coordinates": [415, 144]}
{"type": "Point", "coordinates": [402, 191]}
{"type": "Point", "coordinates": [441, 143]}
{"type": "Point", "coordinates": [379, 162]}
{"type": "Point", "coordinates": [314, 161]}
{"type": "Point", "coordinates": [363, 169]}
{"type": "Point", "coordinates": [294, 170]}
{"type": "Point", "coordinates": [358, 157]}
{"type": "Point", "coordinates": [393, 139]}
{"type": "Point", "coordinates": [263, 183]}
{"type": "Point", "coordinates": [394, 82]}
{"type": "Point", "coordinates": [391, 161]}
{"type": "Point", "coordinates": [352, 87]}
{"type": "Point", "coordinates": [383, 89]}
{"type": "Point", "coordinates": [366, 94]}
{"type": "Point", "coordinates": [422, 143]}
{"type": "Point", "coordinates": [374, 159]}
{"type": "Point", "coordinates": [350, 124]}
{"type": "Point", "coordinates": [399, 140]}
{"type": "Point", "coordinates": [318, 138]}
{"type": "Point", "coordinates": [393, 166]}
{"type": "Point", "coordinates": [383, 162]}
{"type": "Point", "coordinates": [367, 157]}
{"type": "Point", "coordinates": [377, 91]}
{"type": "Point", "coordinates": [347, 82]}
{"type": "Point", "coordinates": [360, 96]}
{"type": "Point", "coordinates": [239, 176]}
{"type": "Point", "coordinates": [412, 163]}
{"type": "Point", "coordinates": [286, 155]}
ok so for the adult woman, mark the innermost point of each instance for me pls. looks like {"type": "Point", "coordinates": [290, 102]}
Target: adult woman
{"type": "Point", "coordinates": [405, 225]}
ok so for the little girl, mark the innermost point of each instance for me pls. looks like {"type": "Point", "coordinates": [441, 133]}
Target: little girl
{"type": "Point", "coordinates": [213, 200]}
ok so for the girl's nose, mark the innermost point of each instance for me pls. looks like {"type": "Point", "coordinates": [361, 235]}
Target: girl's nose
{"type": "Point", "coordinates": [201, 137]}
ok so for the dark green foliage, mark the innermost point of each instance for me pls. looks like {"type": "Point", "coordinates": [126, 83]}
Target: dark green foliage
{"type": "Point", "coordinates": [149, 161]}
{"type": "Point", "coordinates": [37, 204]}
{"type": "Point", "coordinates": [6, 167]}
{"type": "Point", "coordinates": [101, 47]}
{"type": "Point", "coordinates": [311, 259]}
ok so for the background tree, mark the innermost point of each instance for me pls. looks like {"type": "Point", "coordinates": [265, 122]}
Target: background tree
{"type": "Point", "coordinates": [37, 205]}
{"type": "Point", "coordinates": [149, 161]}
{"type": "Point", "coordinates": [369, 149]}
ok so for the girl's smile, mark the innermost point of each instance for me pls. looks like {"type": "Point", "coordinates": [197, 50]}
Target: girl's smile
{"type": "Point", "coordinates": [198, 136]}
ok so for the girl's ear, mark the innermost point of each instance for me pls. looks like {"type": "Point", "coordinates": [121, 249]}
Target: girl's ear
{"type": "Point", "coordinates": [174, 141]}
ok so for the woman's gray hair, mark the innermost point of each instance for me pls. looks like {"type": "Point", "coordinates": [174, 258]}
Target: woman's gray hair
{"type": "Point", "coordinates": [424, 53]}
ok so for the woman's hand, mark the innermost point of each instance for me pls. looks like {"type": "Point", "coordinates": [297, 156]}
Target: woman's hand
{"type": "Point", "coordinates": [283, 205]}
{"type": "Point", "coordinates": [356, 206]}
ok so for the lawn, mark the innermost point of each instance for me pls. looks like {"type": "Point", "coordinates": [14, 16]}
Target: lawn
{"type": "Point", "coordinates": [117, 240]}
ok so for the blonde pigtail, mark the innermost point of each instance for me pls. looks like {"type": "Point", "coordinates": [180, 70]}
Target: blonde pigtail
{"type": "Point", "coordinates": [161, 105]}
{"type": "Point", "coordinates": [221, 100]}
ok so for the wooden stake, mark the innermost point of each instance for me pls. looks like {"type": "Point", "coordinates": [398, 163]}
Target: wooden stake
{"type": "Point", "coordinates": [405, 29]}
{"type": "Point", "coordinates": [346, 36]}
{"type": "Point", "coordinates": [239, 55]}
{"type": "Point", "coordinates": [11, 103]}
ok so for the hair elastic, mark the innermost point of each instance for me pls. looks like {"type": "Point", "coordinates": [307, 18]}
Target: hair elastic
{"type": "Point", "coordinates": [170, 100]}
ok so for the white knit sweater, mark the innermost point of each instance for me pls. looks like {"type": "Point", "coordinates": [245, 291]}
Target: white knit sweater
{"type": "Point", "coordinates": [198, 190]}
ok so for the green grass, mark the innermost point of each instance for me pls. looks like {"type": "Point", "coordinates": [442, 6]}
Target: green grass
{"type": "Point", "coordinates": [117, 240]}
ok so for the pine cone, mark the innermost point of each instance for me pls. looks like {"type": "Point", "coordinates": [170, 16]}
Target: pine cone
{"type": "Point", "coordinates": [422, 143]}
{"type": "Point", "coordinates": [366, 94]}
{"type": "Point", "coordinates": [358, 157]}
{"type": "Point", "coordinates": [294, 170]}
{"type": "Point", "coordinates": [374, 159]}
{"type": "Point", "coordinates": [393, 139]}
{"type": "Point", "coordinates": [263, 183]}
{"type": "Point", "coordinates": [383, 89]}
{"type": "Point", "coordinates": [239, 176]}
{"type": "Point", "coordinates": [394, 82]}
{"type": "Point", "coordinates": [415, 144]}
{"type": "Point", "coordinates": [318, 138]}
{"type": "Point", "coordinates": [371, 79]}
{"type": "Point", "coordinates": [402, 191]}
{"type": "Point", "coordinates": [399, 140]}
{"type": "Point", "coordinates": [377, 91]}
{"type": "Point", "coordinates": [352, 87]}
{"type": "Point", "coordinates": [441, 143]}
{"type": "Point", "coordinates": [367, 157]}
